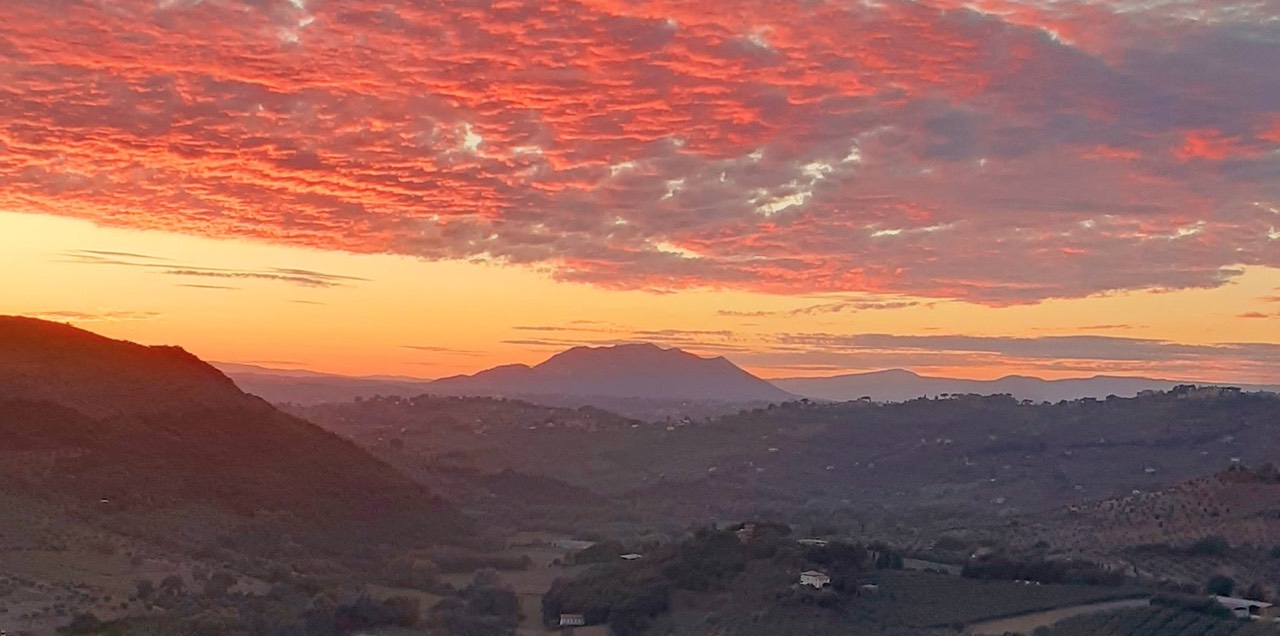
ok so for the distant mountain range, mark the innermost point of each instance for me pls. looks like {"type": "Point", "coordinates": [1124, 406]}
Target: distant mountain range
{"type": "Point", "coordinates": [85, 419]}
{"type": "Point", "coordinates": [618, 377]}
{"type": "Point", "coordinates": [592, 375]}
{"type": "Point", "coordinates": [896, 385]}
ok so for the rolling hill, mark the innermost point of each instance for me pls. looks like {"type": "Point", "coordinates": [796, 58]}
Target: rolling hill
{"type": "Point", "coordinates": [90, 421]}
{"type": "Point", "coordinates": [897, 385]}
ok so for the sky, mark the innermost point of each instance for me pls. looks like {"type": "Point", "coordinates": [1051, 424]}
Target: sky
{"type": "Point", "coordinates": [971, 188]}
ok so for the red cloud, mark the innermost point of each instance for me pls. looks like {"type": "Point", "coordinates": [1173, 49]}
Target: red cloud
{"type": "Point", "coordinates": [999, 152]}
{"type": "Point", "coordinates": [1212, 145]}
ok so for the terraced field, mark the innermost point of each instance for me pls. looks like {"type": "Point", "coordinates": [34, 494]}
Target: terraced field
{"type": "Point", "coordinates": [1158, 621]}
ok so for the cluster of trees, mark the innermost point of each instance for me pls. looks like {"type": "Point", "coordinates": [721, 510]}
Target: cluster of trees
{"type": "Point", "coordinates": [483, 608]}
{"type": "Point", "coordinates": [624, 598]}
{"type": "Point", "coordinates": [1042, 571]}
{"type": "Point", "coordinates": [1194, 603]}
{"type": "Point", "coordinates": [366, 613]}
{"type": "Point", "coordinates": [628, 596]}
{"type": "Point", "coordinates": [1214, 545]}
{"type": "Point", "coordinates": [708, 559]}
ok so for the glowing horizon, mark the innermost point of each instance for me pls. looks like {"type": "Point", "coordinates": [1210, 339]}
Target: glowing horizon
{"type": "Point", "coordinates": [1056, 188]}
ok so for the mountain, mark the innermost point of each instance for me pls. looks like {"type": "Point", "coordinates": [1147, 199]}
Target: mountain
{"type": "Point", "coordinates": [308, 387]}
{"type": "Point", "coordinates": [622, 371]}
{"type": "Point", "coordinates": [88, 420]}
{"type": "Point", "coordinates": [642, 380]}
{"type": "Point", "coordinates": [896, 385]}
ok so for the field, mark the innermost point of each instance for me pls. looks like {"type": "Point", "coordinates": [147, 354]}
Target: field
{"type": "Point", "coordinates": [1158, 621]}
{"type": "Point", "coordinates": [1025, 623]}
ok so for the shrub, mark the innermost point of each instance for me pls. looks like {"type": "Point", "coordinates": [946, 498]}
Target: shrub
{"type": "Point", "coordinates": [1220, 585]}
{"type": "Point", "coordinates": [1210, 546]}
{"type": "Point", "coordinates": [1197, 604]}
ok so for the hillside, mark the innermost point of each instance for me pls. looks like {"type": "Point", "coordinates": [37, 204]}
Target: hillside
{"type": "Point", "coordinates": [128, 429]}
{"type": "Point", "coordinates": [994, 456]}
{"type": "Point", "coordinates": [628, 371]}
{"type": "Point", "coordinates": [897, 385]}
{"type": "Point", "coordinates": [97, 377]}
{"type": "Point", "coordinates": [1241, 506]}
{"type": "Point", "coordinates": [280, 386]}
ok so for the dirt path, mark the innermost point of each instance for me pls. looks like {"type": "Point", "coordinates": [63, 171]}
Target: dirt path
{"type": "Point", "coordinates": [1025, 623]}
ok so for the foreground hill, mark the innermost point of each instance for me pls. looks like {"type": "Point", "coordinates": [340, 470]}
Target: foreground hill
{"type": "Point", "coordinates": [133, 429]}
{"type": "Point", "coordinates": [897, 385]}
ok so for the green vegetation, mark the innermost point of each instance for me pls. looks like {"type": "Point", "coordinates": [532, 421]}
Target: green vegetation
{"type": "Point", "coordinates": [1220, 585]}
{"type": "Point", "coordinates": [1192, 603]}
{"type": "Point", "coordinates": [1210, 546]}
{"type": "Point", "coordinates": [1042, 571]}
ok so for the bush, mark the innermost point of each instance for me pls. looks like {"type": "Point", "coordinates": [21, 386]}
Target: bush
{"type": "Point", "coordinates": [1197, 604]}
{"type": "Point", "coordinates": [708, 559]}
{"type": "Point", "coordinates": [1275, 552]}
{"type": "Point", "coordinates": [1210, 546]}
{"type": "Point", "coordinates": [83, 624]}
{"type": "Point", "coordinates": [1220, 585]}
{"type": "Point", "coordinates": [364, 612]}
{"type": "Point", "coordinates": [1041, 571]}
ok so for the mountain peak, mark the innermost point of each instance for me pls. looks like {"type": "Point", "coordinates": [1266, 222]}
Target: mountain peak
{"type": "Point", "coordinates": [630, 370]}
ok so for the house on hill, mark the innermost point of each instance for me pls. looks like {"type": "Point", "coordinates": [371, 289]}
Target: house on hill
{"type": "Point", "coordinates": [1245, 608]}
{"type": "Point", "coordinates": [815, 579]}
{"type": "Point", "coordinates": [572, 620]}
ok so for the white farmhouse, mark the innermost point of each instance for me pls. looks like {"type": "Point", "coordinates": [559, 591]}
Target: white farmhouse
{"type": "Point", "coordinates": [814, 578]}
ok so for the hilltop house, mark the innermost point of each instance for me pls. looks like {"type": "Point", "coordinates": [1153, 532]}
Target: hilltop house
{"type": "Point", "coordinates": [1245, 608]}
{"type": "Point", "coordinates": [812, 543]}
{"type": "Point", "coordinates": [572, 620]}
{"type": "Point", "coordinates": [815, 579]}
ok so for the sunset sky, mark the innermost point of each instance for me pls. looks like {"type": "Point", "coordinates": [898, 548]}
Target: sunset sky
{"type": "Point", "coordinates": [963, 187]}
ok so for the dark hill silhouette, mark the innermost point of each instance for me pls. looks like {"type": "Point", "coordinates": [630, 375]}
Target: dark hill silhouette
{"type": "Point", "coordinates": [621, 371]}
{"type": "Point", "coordinates": [52, 362]}
{"type": "Point", "coordinates": [84, 418]}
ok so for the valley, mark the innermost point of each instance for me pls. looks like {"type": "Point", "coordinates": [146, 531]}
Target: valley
{"type": "Point", "coordinates": [129, 507]}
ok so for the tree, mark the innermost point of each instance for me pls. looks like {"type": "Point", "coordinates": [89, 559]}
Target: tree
{"type": "Point", "coordinates": [1211, 546]}
{"type": "Point", "coordinates": [1257, 592]}
{"type": "Point", "coordinates": [1221, 585]}
{"type": "Point", "coordinates": [218, 584]}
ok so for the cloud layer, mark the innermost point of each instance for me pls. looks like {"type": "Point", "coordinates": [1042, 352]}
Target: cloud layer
{"type": "Point", "coordinates": [992, 151]}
